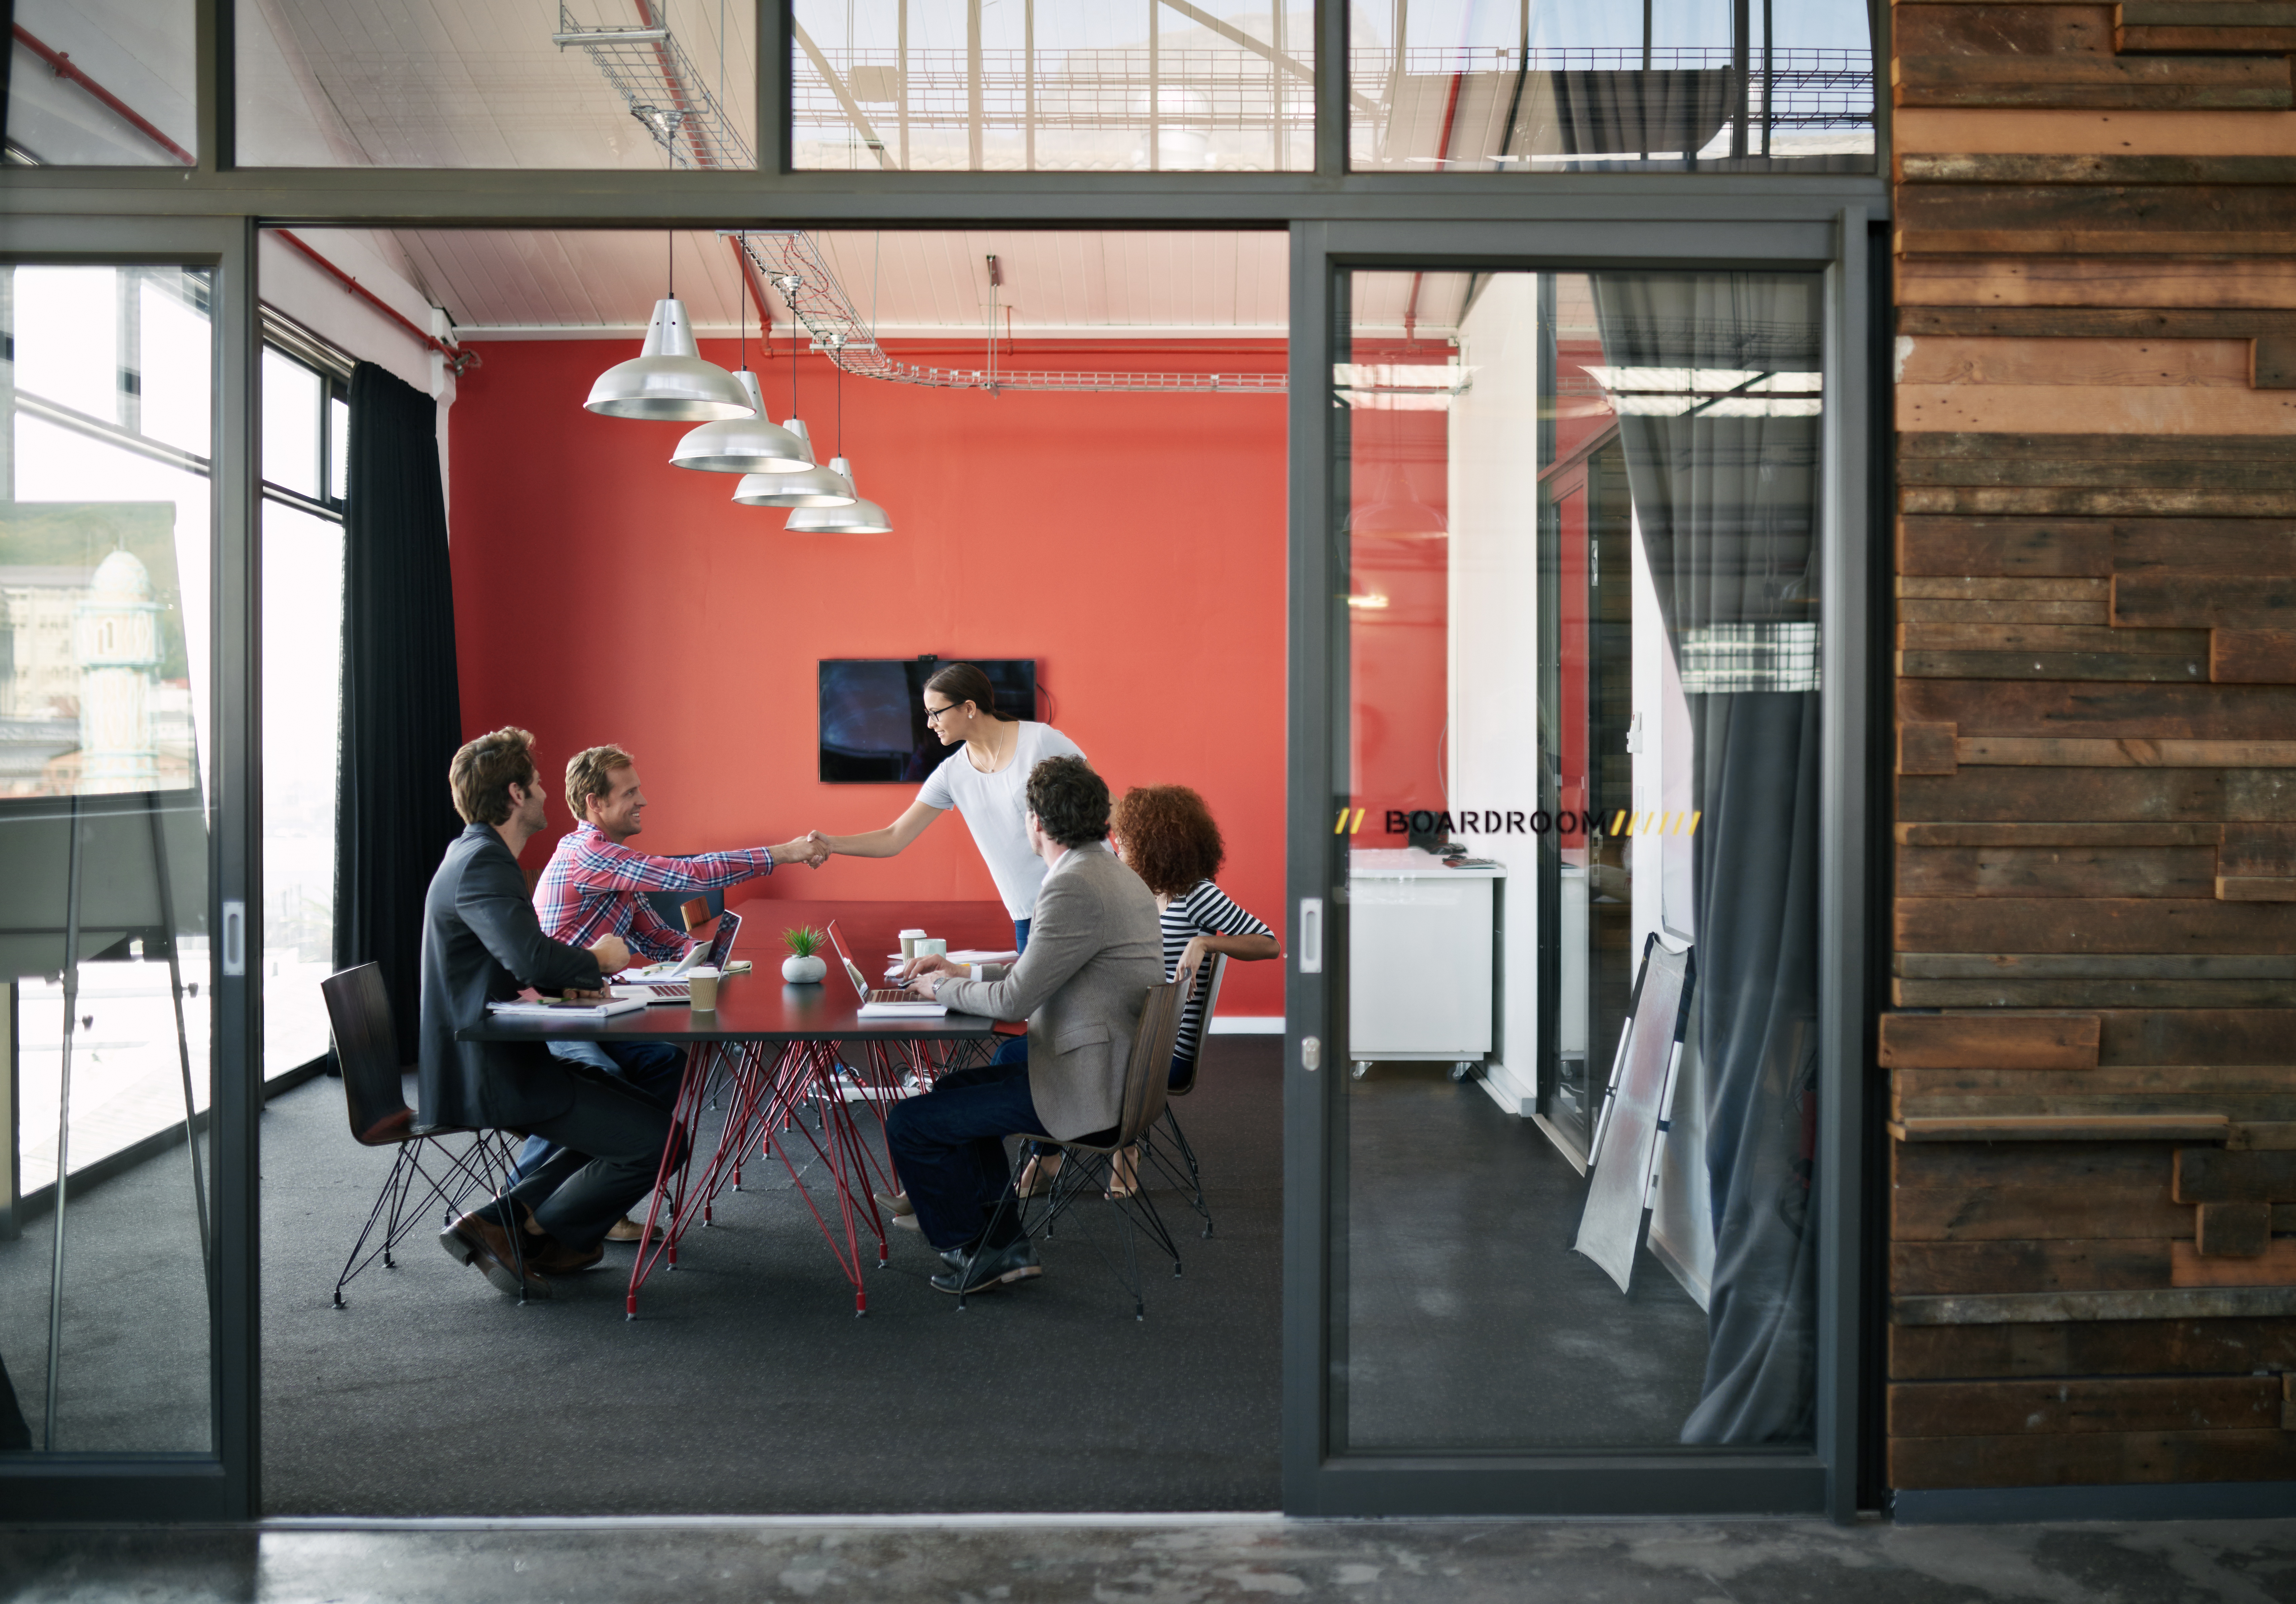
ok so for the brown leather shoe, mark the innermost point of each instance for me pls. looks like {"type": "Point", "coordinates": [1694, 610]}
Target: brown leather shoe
{"type": "Point", "coordinates": [477, 1240]}
{"type": "Point", "coordinates": [551, 1256]}
{"type": "Point", "coordinates": [626, 1229]}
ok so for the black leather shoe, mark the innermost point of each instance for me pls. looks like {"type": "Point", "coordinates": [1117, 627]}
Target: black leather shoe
{"type": "Point", "coordinates": [479, 1241]}
{"type": "Point", "coordinates": [992, 1267]}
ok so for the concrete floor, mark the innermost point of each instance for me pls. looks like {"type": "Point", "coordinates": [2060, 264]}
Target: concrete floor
{"type": "Point", "coordinates": [1169, 1561]}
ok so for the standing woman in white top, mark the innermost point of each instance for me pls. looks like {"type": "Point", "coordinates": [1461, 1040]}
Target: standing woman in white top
{"type": "Point", "coordinates": [985, 780]}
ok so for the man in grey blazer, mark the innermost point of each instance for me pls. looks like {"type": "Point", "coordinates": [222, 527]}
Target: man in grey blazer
{"type": "Point", "coordinates": [481, 943]}
{"type": "Point", "coordinates": [1094, 948]}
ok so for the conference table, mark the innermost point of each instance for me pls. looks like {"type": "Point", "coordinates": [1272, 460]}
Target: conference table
{"type": "Point", "coordinates": [774, 1051]}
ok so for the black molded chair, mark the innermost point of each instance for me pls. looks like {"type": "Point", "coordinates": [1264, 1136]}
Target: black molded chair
{"type": "Point", "coordinates": [1087, 1162]}
{"type": "Point", "coordinates": [426, 1168]}
{"type": "Point", "coordinates": [1166, 1145]}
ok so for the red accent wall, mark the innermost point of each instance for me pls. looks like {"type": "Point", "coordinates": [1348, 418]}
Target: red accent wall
{"type": "Point", "coordinates": [1133, 544]}
{"type": "Point", "coordinates": [1400, 653]}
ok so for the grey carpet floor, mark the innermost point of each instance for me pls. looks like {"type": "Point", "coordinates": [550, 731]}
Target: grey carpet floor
{"type": "Point", "coordinates": [133, 1370]}
{"type": "Point", "coordinates": [1471, 1323]}
{"type": "Point", "coordinates": [747, 1385]}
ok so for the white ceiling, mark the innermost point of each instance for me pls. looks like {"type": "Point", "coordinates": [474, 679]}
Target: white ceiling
{"type": "Point", "coordinates": [478, 83]}
{"type": "Point", "coordinates": [1083, 283]}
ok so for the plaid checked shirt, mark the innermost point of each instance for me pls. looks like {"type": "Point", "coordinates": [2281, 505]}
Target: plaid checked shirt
{"type": "Point", "coordinates": [590, 886]}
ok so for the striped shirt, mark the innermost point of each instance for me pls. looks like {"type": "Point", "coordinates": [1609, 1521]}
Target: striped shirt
{"type": "Point", "coordinates": [1204, 911]}
{"type": "Point", "coordinates": [593, 886]}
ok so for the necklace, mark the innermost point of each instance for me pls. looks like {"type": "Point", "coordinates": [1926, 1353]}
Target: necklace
{"type": "Point", "coordinates": [996, 751]}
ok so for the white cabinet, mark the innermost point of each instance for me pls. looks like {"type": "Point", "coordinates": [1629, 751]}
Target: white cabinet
{"type": "Point", "coordinates": [1420, 958]}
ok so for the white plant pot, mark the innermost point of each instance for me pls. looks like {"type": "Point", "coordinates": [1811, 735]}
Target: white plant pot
{"type": "Point", "coordinates": [803, 971]}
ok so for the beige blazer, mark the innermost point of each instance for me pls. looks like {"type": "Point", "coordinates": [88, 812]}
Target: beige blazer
{"type": "Point", "coordinates": [1094, 948]}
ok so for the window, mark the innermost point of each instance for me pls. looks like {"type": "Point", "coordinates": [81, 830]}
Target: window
{"type": "Point", "coordinates": [1458, 87]}
{"type": "Point", "coordinates": [476, 83]}
{"type": "Point", "coordinates": [306, 438]}
{"type": "Point", "coordinates": [1044, 85]}
{"type": "Point", "coordinates": [103, 85]}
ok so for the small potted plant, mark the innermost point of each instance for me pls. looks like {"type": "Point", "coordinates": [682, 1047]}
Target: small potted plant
{"type": "Point", "coordinates": [805, 964]}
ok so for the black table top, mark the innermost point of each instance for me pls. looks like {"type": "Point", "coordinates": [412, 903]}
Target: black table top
{"type": "Point", "coordinates": [761, 1007]}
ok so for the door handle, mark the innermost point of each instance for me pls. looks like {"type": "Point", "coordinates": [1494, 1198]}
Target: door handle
{"type": "Point", "coordinates": [1311, 935]}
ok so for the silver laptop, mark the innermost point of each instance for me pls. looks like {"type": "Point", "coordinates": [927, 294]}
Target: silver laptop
{"type": "Point", "coordinates": [666, 984]}
{"type": "Point", "coordinates": [888, 998]}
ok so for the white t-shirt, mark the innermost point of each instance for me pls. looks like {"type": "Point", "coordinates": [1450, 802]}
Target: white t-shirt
{"type": "Point", "coordinates": [996, 808]}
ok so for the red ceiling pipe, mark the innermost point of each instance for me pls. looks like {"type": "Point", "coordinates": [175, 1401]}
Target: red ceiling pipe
{"type": "Point", "coordinates": [60, 63]}
{"type": "Point", "coordinates": [1442, 160]}
{"type": "Point", "coordinates": [458, 359]}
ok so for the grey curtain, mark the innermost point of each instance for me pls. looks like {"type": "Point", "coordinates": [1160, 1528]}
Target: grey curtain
{"type": "Point", "coordinates": [1714, 375]}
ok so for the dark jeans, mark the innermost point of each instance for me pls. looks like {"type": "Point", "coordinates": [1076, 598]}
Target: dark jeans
{"type": "Point", "coordinates": [653, 1069]}
{"type": "Point", "coordinates": [948, 1147]}
{"type": "Point", "coordinates": [609, 1147]}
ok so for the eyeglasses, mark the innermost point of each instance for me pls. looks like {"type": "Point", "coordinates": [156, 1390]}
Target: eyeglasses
{"type": "Point", "coordinates": [933, 714]}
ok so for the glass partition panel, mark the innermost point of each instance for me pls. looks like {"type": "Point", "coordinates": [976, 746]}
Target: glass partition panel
{"type": "Point", "coordinates": [101, 83]}
{"type": "Point", "coordinates": [1450, 86]}
{"type": "Point", "coordinates": [1054, 86]}
{"type": "Point", "coordinates": [589, 84]}
{"type": "Point", "coordinates": [1574, 1205]}
{"type": "Point", "coordinates": [104, 564]}
{"type": "Point", "coordinates": [302, 721]}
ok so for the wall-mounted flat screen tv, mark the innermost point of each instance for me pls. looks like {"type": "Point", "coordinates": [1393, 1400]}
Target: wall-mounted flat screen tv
{"type": "Point", "coordinates": [872, 719]}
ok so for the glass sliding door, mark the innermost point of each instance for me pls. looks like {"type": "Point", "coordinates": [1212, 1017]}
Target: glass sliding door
{"type": "Point", "coordinates": [107, 957]}
{"type": "Point", "coordinates": [1572, 1200]}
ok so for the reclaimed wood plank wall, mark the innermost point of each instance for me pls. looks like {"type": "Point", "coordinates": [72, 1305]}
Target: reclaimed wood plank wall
{"type": "Point", "coordinates": [2092, 1046]}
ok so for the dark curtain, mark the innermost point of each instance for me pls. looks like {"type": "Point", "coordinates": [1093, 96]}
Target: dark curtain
{"type": "Point", "coordinates": [15, 1436]}
{"type": "Point", "coordinates": [402, 713]}
{"type": "Point", "coordinates": [1717, 417]}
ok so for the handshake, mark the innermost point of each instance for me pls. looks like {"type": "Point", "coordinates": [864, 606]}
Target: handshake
{"type": "Point", "coordinates": [812, 849]}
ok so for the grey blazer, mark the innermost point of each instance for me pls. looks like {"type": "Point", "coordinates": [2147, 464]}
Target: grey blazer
{"type": "Point", "coordinates": [1094, 948]}
{"type": "Point", "coordinates": [480, 943]}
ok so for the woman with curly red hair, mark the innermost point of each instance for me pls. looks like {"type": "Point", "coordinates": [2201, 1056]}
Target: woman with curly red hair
{"type": "Point", "coordinates": [1168, 836]}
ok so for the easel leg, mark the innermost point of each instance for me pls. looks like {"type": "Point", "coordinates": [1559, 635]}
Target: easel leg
{"type": "Point", "coordinates": [183, 1037]}
{"type": "Point", "coordinates": [63, 1132]}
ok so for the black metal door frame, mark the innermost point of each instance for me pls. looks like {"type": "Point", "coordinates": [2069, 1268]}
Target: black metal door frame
{"type": "Point", "coordinates": [1317, 1479]}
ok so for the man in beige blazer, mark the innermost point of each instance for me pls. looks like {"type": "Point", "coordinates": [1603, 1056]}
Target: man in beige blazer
{"type": "Point", "coordinates": [1094, 948]}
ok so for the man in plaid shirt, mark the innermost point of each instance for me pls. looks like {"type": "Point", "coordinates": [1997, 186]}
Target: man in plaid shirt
{"type": "Point", "coordinates": [597, 883]}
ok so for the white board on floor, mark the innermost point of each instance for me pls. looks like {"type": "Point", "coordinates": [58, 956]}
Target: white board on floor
{"type": "Point", "coordinates": [1633, 1114]}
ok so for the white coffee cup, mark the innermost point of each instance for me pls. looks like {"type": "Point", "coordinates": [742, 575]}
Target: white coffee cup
{"type": "Point", "coordinates": [702, 989]}
{"type": "Point", "coordinates": [909, 939]}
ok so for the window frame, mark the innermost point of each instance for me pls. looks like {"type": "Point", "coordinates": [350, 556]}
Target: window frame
{"type": "Point", "coordinates": [211, 216]}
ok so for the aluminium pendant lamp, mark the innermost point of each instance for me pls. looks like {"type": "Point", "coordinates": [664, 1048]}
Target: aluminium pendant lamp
{"type": "Point", "coordinates": [809, 486]}
{"type": "Point", "coordinates": [751, 445]}
{"type": "Point", "coordinates": [667, 380]}
{"type": "Point", "coordinates": [861, 517]}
